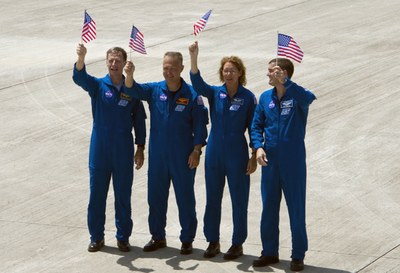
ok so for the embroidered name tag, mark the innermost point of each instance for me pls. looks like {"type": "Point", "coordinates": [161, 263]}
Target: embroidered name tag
{"type": "Point", "coordinates": [180, 108]}
{"type": "Point", "coordinates": [238, 101]}
{"type": "Point", "coordinates": [234, 107]}
{"type": "Point", "coordinates": [287, 104]}
{"type": "Point", "coordinates": [123, 102]}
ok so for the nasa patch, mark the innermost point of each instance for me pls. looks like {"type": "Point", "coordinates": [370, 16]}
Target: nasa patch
{"type": "Point", "coordinates": [108, 94]}
{"type": "Point", "coordinates": [271, 104]}
{"type": "Point", "coordinates": [163, 97]}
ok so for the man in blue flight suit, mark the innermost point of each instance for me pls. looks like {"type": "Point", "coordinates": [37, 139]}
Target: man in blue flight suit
{"type": "Point", "coordinates": [278, 132]}
{"type": "Point", "coordinates": [111, 145]}
{"type": "Point", "coordinates": [227, 154]}
{"type": "Point", "coordinates": [178, 131]}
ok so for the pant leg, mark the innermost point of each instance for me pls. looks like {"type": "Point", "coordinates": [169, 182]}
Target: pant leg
{"type": "Point", "coordinates": [294, 188]}
{"type": "Point", "coordinates": [271, 196]}
{"type": "Point", "coordinates": [122, 183]}
{"type": "Point", "coordinates": [239, 188]}
{"type": "Point", "coordinates": [99, 184]}
{"type": "Point", "coordinates": [157, 197]}
{"type": "Point", "coordinates": [183, 182]}
{"type": "Point", "coordinates": [100, 175]}
{"type": "Point", "coordinates": [215, 183]}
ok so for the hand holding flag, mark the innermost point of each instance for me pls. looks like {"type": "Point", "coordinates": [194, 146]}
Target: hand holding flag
{"type": "Point", "coordinates": [89, 28]}
{"type": "Point", "coordinates": [136, 41]}
{"type": "Point", "coordinates": [287, 47]}
{"type": "Point", "coordinates": [201, 23]}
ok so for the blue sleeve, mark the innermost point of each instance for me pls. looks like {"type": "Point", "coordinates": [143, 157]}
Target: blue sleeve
{"type": "Point", "coordinates": [140, 91]}
{"type": "Point", "coordinates": [139, 122]}
{"type": "Point", "coordinates": [200, 86]}
{"type": "Point", "coordinates": [257, 126]}
{"type": "Point", "coordinates": [84, 80]}
{"type": "Point", "coordinates": [200, 121]}
{"type": "Point", "coordinates": [250, 116]}
{"type": "Point", "coordinates": [302, 96]}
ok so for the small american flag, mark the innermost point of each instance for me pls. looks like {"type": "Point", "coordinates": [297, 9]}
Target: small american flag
{"type": "Point", "coordinates": [287, 47]}
{"type": "Point", "coordinates": [89, 28]}
{"type": "Point", "coordinates": [201, 23]}
{"type": "Point", "coordinates": [136, 41]}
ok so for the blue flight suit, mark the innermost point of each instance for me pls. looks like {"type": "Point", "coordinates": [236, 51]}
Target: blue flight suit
{"type": "Point", "coordinates": [280, 127]}
{"type": "Point", "coordinates": [178, 122]}
{"type": "Point", "coordinates": [111, 151]}
{"type": "Point", "coordinates": [227, 155]}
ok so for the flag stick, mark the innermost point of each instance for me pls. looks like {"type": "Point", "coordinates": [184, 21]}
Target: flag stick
{"type": "Point", "coordinates": [83, 23]}
{"type": "Point", "coordinates": [277, 47]}
{"type": "Point", "coordinates": [130, 49]}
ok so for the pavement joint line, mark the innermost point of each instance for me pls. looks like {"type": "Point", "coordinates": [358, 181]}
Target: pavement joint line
{"type": "Point", "coordinates": [378, 258]}
{"type": "Point", "coordinates": [41, 224]}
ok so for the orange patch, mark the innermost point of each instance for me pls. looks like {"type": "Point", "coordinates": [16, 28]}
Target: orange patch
{"type": "Point", "coordinates": [184, 101]}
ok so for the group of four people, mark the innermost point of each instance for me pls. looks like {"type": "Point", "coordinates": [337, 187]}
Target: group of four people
{"type": "Point", "coordinates": [178, 120]}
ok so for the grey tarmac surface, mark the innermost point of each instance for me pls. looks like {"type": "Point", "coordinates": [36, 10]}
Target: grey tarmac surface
{"type": "Point", "coordinates": [353, 137]}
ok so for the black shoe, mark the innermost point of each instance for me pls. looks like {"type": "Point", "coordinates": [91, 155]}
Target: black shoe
{"type": "Point", "coordinates": [186, 248]}
{"type": "Point", "coordinates": [123, 246]}
{"type": "Point", "coordinates": [296, 265]}
{"type": "Point", "coordinates": [212, 250]}
{"type": "Point", "coordinates": [95, 246]}
{"type": "Point", "coordinates": [153, 245]}
{"type": "Point", "coordinates": [234, 252]}
{"type": "Point", "coordinates": [265, 260]}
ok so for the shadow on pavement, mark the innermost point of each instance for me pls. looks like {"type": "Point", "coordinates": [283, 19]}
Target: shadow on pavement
{"type": "Point", "coordinates": [175, 261]}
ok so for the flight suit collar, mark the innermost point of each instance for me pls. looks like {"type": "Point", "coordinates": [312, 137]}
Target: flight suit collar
{"type": "Point", "coordinates": [238, 93]}
{"type": "Point", "coordinates": [107, 80]}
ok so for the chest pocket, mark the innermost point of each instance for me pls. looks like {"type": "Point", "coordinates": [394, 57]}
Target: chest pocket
{"type": "Point", "coordinates": [181, 104]}
{"type": "Point", "coordinates": [236, 105]}
{"type": "Point", "coordinates": [124, 100]}
{"type": "Point", "coordinates": [286, 107]}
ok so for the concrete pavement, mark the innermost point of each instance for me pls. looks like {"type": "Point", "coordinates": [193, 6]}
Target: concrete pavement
{"type": "Point", "coordinates": [351, 64]}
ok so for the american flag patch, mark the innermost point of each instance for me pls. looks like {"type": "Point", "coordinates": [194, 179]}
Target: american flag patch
{"type": "Point", "coordinates": [200, 100]}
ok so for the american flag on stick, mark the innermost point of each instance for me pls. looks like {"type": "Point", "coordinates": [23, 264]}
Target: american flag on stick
{"type": "Point", "coordinates": [287, 47]}
{"type": "Point", "coordinates": [201, 23]}
{"type": "Point", "coordinates": [89, 28]}
{"type": "Point", "coordinates": [136, 41]}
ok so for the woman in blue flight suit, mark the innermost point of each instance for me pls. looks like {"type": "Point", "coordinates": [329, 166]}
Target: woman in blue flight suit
{"type": "Point", "coordinates": [278, 133]}
{"type": "Point", "coordinates": [178, 131]}
{"type": "Point", "coordinates": [111, 145]}
{"type": "Point", "coordinates": [227, 154]}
